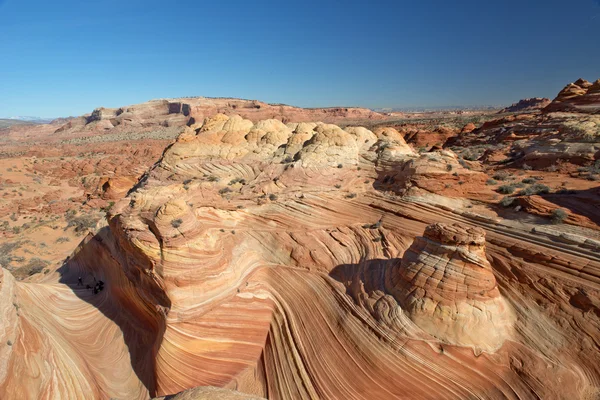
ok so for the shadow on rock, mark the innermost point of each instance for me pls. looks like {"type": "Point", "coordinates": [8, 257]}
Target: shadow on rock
{"type": "Point", "coordinates": [120, 300]}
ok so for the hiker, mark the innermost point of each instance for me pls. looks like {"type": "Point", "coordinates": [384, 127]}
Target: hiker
{"type": "Point", "coordinates": [79, 281]}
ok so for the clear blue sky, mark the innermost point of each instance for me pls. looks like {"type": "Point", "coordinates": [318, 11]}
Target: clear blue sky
{"type": "Point", "coordinates": [60, 58]}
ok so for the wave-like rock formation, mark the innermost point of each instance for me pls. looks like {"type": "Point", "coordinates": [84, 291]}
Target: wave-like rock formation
{"type": "Point", "coordinates": [277, 260]}
{"type": "Point", "coordinates": [579, 96]}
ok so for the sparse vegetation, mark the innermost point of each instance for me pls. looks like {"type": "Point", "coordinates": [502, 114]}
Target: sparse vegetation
{"type": "Point", "coordinates": [506, 189]}
{"type": "Point", "coordinates": [559, 216]}
{"type": "Point", "coordinates": [212, 178]}
{"type": "Point", "coordinates": [225, 190]}
{"type": "Point", "coordinates": [63, 239]}
{"type": "Point", "coordinates": [491, 182]}
{"type": "Point", "coordinates": [80, 223]}
{"type": "Point", "coordinates": [537, 188]}
{"type": "Point", "coordinates": [272, 197]}
{"type": "Point", "coordinates": [33, 266]}
{"type": "Point", "coordinates": [502, 176]}
{"type": "Point", "coordinates": [507, 201]}
{"type": "Point", "coordinates": [237, 180]}
{"type": "Point", "coordinates": [176, 223]}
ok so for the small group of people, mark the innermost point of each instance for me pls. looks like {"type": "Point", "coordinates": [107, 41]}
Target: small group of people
{"type": "Point", "coordinates": [98, 285]}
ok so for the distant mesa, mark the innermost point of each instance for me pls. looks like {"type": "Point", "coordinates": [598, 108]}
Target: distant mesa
{"type": "Point", "coordinates": [525, 105]}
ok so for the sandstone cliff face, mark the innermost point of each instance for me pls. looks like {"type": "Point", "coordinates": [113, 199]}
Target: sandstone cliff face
{"type": "Point", "coordinates": [187, 111]}
{"type": "Point", "coordinates": [275, 259]}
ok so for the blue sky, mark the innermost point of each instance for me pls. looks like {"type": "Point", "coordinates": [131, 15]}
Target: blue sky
{"type": "Point", "coordinates": [60, 58]}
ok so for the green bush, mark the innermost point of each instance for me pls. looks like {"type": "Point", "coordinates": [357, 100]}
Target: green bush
{"type": "Point", "coordinates": [506, 189]}
{"type": "Point", "coordinates": [507, 201]}
{"type": "Point", "coordinates": [502, 175]}
{"type": "Point", "coordinates": [559, 216]}
{"type": "Point", "coordinates": [537, 188]}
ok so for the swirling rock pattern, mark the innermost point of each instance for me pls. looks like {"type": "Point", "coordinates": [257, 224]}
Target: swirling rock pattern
{"type": "Point", "coordinates": [273, 259]}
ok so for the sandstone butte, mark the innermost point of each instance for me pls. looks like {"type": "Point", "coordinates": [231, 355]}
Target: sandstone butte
{"type": "Point", "coordinates": [297, 260]}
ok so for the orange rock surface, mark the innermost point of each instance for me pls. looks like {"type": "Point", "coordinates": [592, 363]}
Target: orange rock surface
{"type": "Point", "coordinates": [278, 260]}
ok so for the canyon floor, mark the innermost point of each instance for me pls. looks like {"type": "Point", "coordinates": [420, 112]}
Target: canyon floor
{"type": "Point", "coordinates": [246, 250]}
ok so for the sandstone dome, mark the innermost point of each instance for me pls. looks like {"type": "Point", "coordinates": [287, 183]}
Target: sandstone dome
{"type": "Point", "coordinates": [447, 287]}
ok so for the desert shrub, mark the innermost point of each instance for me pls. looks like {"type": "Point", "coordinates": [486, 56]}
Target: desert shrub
{"type": "Point", "coordinates": [470, 156]}
{"type": "Point", "coordinates": [81, 223]}
{"type": "Point", "coordinates": [62, 239]}
{"type": "Point", "coordinates": [176, 223]}
{"type": "Point", "coordinates": [502, 175]}
{"type": "Point", "coordinates": [237, 180]}
{"type": "Point", "coordinates": [506, 189]}
{"type": "Point", "coordinates": [187, 181]}
{"type": "Point", "coordinates": [585, 130]}
{"type": "Point", "coordinates": [351, 195]}
{"type": "Point", "coordinates": [212, 178]}
{"type": "Point", "coordinates": [337, 186]}
{"type": "Point", "coordinates": [491, 182]}
{"type": "Point", "coordinates": [340, 166]}
{"type": "Point", "coordinates": [33, 266]}
{"type": "Point", "coordinates": [449, 167]}
{"type": "Point", "coordinates": [559, 216]}
{"type": "Point", "coordinates": [224, 191]}
{"type": "Point", "coordinates": [463, 163]}
{"type": "Point", "coordinates": [565, 191]}
{"type": "Point", "coordinates": [272, 197]}
{"type": "Point", "coordinates": [529, 181]}
{"type": "Point", "coordinates": [537, 188]}
{"type": "Point", "coordinates": [527, 167]}
{"type": "Point", "coordinates": [552, 168]}
{"type": "Point", "coordinates": [507, 201]}
{"type": "Point", "coordinates": [109, 207]}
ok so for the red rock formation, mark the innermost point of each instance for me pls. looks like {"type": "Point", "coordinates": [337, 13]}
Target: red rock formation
{"type": "Point", "coordinates": [276, 259]}
{"type": "Point", "coordinates": [447, 287]}
{"type": "Point", "coordinates": [580, 96]}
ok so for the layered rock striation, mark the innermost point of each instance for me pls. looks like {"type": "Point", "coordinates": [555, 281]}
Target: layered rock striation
{"type": "Point", "coordinates": [278, 259]}
{"type": "Point", "coordinates": [447, 287]}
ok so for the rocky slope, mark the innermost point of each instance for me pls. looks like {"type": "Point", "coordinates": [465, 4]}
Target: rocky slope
{"type": "Point", "coordinates": [303, 260]}
{"type": "Point", "coordinates": [580, 96]}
